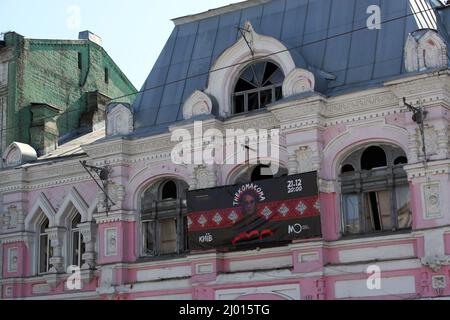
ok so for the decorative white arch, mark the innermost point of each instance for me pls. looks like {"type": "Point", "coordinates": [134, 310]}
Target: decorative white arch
{"type": "Point", "coordinates": [148, 175]}
{"type": "Point", "coordinates": [17, 154]}
{"type": "Point", "coordinates": [222, 77]}
{"type": "Point", "coordinates": [72, 200]}
{"type": "Point", "coordinates": [42, 205]}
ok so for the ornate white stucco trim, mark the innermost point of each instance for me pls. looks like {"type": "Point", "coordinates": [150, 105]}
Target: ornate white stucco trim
{"type": "Point", "coordinates": [197, 104]}
{"type": "Point", "coordinates": [42, 205]}
{"type": "Point", "coordinates": [223, 78]}
{"type": "Point", "coordinates": [298, 81]}
{"type": "Point", "coordinates": [17, 154]}
{"type": "Point", "coordinates": [74, 199]}
{"type": "Point", "coordinates": [427, 52]}
{"type": "Point", "coordinates": [119, 120]}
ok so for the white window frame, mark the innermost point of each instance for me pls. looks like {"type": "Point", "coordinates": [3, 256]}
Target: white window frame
{"type": "Point", "coordinates": [12, 253]}
{"type": "Point", "coordinates": [39, 252]}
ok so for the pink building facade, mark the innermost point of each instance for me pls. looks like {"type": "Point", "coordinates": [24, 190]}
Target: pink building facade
{"type": "Point", "coordinates": [384, 202]}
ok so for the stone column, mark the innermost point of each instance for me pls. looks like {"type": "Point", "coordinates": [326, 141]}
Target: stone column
{"type": "Point", "coordinates": [89, 233]}
{"type": "Point", "coordinates": [56, 236]}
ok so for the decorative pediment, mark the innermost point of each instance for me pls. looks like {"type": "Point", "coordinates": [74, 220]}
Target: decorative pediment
{"type": "Point", "coordinates": [119, 120]}
{"type": "Point", "coordinates": [17, 154]}
{"type": "Point", "coordinates": [425, 50]}
{"type": "Point", "coordinates": [72, 200]}
{"type": "Point", "coordinates": [250, 47]}
{"type": "Point", "coordinates": [298, 81]}
{"type": "Point", "coordinates": [197, 104]}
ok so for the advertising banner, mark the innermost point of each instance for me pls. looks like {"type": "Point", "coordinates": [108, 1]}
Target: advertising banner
{"type": "Point", "coordinates": [264, 212]}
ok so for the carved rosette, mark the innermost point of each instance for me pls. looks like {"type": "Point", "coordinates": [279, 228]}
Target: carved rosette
{"type": "Point", "coordinates": [197, 104]}
{"type": "Point", "coordinates": [205, 177]}
{"type": "Point", "coordinates": [298, 81]}
{"type": "Point", "coordinates": [432, 200]}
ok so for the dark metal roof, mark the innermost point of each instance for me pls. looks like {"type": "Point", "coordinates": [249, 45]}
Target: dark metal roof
{"type": "Point", "coordinates": [328, 35]}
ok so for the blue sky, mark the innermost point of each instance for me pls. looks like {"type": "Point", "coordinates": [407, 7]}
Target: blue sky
{"type": "Point", "coordinates": [133, 31]}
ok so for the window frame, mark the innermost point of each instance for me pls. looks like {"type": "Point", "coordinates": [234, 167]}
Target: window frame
{"type": "Point", "coordinates": [71, 234]}
{"type": "Point", "coordinates": [44, 221]}
{"type": "Point", "coordinates": [259, 90]}
{"type": "Point", "coordinates": [360, 183]}
{"type": "Point", "coordinates": [164, 210]}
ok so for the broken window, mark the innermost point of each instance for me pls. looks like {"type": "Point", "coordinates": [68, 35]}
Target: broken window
{"type": "Point", "coordinates": [164, 219]}
{"type": "Point", "coordinates": [258, 86]}
{"type": "Point", "coordinates": [375, 191]}
{"type": "Point", "coordinates": [45, 250]}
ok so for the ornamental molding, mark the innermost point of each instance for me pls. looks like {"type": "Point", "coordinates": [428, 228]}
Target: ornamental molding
{"type": "Point", "coordinates": [199, 103]}
{"type": "Point", "coordinates": [18, 237]}
{"type": "Point", "coordinates": [17, 154]}
{"type": "Point", "coordinates": [436, 263]}
{"type": "Point", "coordinates": [41, 205]}
{"type": "Point", "coordinates": [121, 216]}
{"type": "Point", "coordinates": [418, 171]}
{"type": "Point", "coordinates": [361, 104]}
{"type": "Point", "coordinates": [328, 186]}
{"type": "Point", "coordinates": [221, 81]}
{"type": "Point", "coordinates": [119, 120]}
{"type": "Point", "coordinates": [427, 51]}
{"type": "Point", "coordinates": [298, 81]}
{"type": "Point", "coordinates": [20, 186]}
{"type": "Point", "coordinates": [432, 201]}
{"type": "Point", "coordinates": [312, 106]}
{"type": "Point", "coordinates": [429, 87]}
{"type": "Point", "coordinates": [73, 198]}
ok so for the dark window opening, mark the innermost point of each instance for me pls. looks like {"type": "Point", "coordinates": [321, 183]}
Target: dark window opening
{"type": "Point", "coordinates": [400, 160]}
{"type": "Point", "coordinates": [258, 86]}
{"type": "Point", "coordinates": [106, 75]}
{"type": "Point", "coordinates": [169, 191]}
{"type": "Point", "coordinates": [348, 168]}
{"type": "Point", "coordinates": [261, 172]}
{"type": "Point", "coordinates": [80, 60]}
{"type": "Point", "coordinates": [373, 157]}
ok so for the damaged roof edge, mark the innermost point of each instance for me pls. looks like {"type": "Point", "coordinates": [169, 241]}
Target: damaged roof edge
{"type": "Point", "coordinates": [218, 11]}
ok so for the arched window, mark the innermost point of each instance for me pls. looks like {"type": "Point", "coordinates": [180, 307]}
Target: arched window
{"type": "Point", "coordinates": [373, 157]}
{"type": "Point", "coordinates": [169, 190]}
{"type": "Point", "coordinates": [375, 191]}
{"type": "Point", "coordinates": [45, 251]}
{"type": "Point", "coordinates": [258, 86]}
{"type": "Point", "coordinates": [164, 218]}
{"type": "Point", "coordinates": [258, 173]}
{"type": "Point", "coordinates": [261, 172]}
{"type": "Point", "coordinates": [77, 245]}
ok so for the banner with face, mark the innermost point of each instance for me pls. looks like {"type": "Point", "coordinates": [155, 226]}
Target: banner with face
{"type": "Point", "coordinates": [255, 214]}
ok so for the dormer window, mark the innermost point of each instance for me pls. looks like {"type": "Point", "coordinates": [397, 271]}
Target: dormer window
{"type": "Point", "coordinates": [258, 86]}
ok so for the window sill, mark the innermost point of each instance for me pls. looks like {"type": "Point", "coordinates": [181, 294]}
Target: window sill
{"type": "Point", "coordinates": [375, 234]}
{"type": "Point", "coordinates": [165, 257]}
